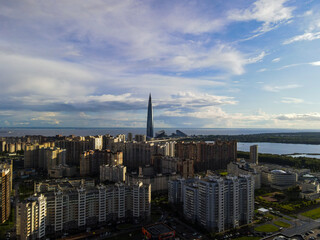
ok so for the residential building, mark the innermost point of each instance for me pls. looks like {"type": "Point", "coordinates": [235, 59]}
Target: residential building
{"type": "Point", "coordinates": [129, 138]}
{"type": "Point", "coordinates": [245, 168]}
{"type": "Point", "coordinates": [207, 156]}
{"type": "Point", "coordinates": [90, 161]}
{"type": "Point", "coordinates": [214, 202]}
{"type": "Point", "coordinates": [31, 218]}
{"type": "Point", "coordinates": [78, 204]}
{"type": "Point", "coordinates": [44, 156]}
{"type": "Point", "coordinates": [114, 173]}
{"type": "Point", "coordinates": [6, 188]}
{"type": "Point", "coordinates": [74, 146]}
{"type": "Point", "coordinates": [158, 182]}
{"type": "Point", "coordinates": [254, 154]}
{"type": "Point", "coordinates": [140, 138]}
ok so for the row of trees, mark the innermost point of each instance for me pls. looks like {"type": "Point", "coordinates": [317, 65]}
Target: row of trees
{"type": "Point", "coordinates": [297, 162]}
{"type": "Point", "coordinates": [300, 138]}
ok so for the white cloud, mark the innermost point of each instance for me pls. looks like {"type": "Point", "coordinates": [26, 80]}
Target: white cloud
{"type": "Point", "coordinates": [291, 100]}
{"type": "Point", "coordinates": [308, 36]}
{"type": "Point", "coordinates": [315, 116]}
{"type": "Point", "coordinates": [315, 63]}
{"type": "Point", "coordinates": [264, 11]}
{"type": "Point", "coordinates": [257, 58]}
{"type": "Point", "coordinates": [133, 32]}
{"type": "Point", "coordinates": [24, 75]}
{"type": "Point", "coordinates": [47, 117]}
{"type": "Point", "coordinates": [195, 100]}
{"type": "Point", "coordinates": [276, 60]}
{"type": "Point", "coordinates": [269, 12]}
{"type": "Point", "coordinates": [271, 88]}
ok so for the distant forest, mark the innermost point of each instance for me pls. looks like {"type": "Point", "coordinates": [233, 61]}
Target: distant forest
{"type": "Point", "coordinates": [298, 138]}
{"type": "Point", "coordinates": [299, 162]}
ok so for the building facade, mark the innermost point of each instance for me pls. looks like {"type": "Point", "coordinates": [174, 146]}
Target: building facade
{"type": "Point", "coordinates": [113, 173]}
{"type": "Point", "coordinates": [150, 119]}
{"type": "Point", "coordinates": [208, 156]}
{"type": "Point", "coordinates": [31, 218]}
{"type": "Point", "coordinates": [74, 205]}
{"type": "Point", "coordinates": [6, 188]}
{"type": "Point", "coordinates": [254, 154]}
{"type": "Point", "coordinates": [216, 203]}
{"type": "Point", "coordinates": [90, 161]}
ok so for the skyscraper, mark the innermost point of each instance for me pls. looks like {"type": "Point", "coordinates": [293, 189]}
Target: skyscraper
{"type": "Point", "coordinates": [254, 154]}
{"type": "Point", "coordinates": [150, 119]}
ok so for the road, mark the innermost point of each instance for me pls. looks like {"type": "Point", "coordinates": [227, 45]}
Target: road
{"type": "Point", "coordinates": [301, 226]}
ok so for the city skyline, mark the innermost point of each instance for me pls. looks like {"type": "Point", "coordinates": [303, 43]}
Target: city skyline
{"type": "Point", "coordinates": [207, 64]}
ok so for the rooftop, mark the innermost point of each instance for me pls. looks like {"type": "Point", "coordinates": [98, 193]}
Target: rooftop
{"type": "Point", "coordinates": [277, 171]}
{"type": "Point", "coordinates": [158, 229]}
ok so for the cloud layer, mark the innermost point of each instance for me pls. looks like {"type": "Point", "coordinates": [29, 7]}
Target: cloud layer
{"type": "Point", "coordinates": [93, 63]}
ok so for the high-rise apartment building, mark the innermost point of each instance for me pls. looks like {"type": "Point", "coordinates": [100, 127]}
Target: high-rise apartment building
{"type": "Point", "coordinates": [150, 119]}
{"type": "Point", "coordinates": [6, 188]}
{"type": "Point", "coordinates": [254, 154]}
{"type": "Point", "coordinates": [95, 142]}
{"type": "Point", "coordinates": [138, 154]}
{"type": "Point", "coordinates": [130, 137]}
{"type": "Point", "coordinates": [113, 143]}
{"type": "Point", "coordinates": [90, 161]}
{"type": "Point", "coordinates": [31, 218]}
{"type": "Point", "coordinates": [74, 146]}
{"type": "Point", "coordinates": [44, 156]}
{"type": "Point", "coordinates": [140, 138]}
{"type": "Point", "coordinates": [114, 173]}
{"type": "Point", "coordinates": [208, 156]}
{"type": "Point", "coordinates": [216, 203]}
{"type": "Point", "coordinates": [72, 206]}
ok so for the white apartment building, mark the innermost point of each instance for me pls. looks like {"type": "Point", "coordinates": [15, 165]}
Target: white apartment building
{"type": "Point", "coordinates": [77, 207]}
{"type": "Point", "coordinates": [31, 218]}
{"type": "Point", "coordinates": [214, 202]}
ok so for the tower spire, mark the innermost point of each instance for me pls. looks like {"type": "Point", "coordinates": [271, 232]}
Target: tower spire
{"type": "Point", "coordinates": [150, 119]}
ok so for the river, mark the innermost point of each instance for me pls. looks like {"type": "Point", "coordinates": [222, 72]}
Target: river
{"type": "Point", "coordinates": [304, 150]}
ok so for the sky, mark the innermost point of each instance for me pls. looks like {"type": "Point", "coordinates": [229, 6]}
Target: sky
{"type": "Point", "coordinates": [207, 63]}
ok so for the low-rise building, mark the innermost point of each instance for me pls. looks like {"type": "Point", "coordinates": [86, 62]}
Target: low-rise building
{"type": "Point", "coordinates": [279, 179]}
{"type": "Point", "coordinates": [158, 231]}
{"type": "Point", "coordinates": [310, 189]}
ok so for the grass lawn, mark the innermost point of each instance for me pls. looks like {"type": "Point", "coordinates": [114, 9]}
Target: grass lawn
{"type": "Point", "coordinates": [247, 238]}
{"type": "Point", "coordinates": [314, 213]}
{"type": "Point", "coordinates": [282, 224]}
{"type": "Point", "coordinates": [266, 228]}
{"type": "Point", "coordinates": [269, 215]}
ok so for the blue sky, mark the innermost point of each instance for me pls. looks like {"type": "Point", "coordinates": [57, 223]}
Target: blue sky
{"type": "Point", "coordinates": [214, 63]}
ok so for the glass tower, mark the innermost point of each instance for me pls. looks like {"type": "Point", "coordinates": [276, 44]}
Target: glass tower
{"type": "Point", "coordinates": [150, 119]}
